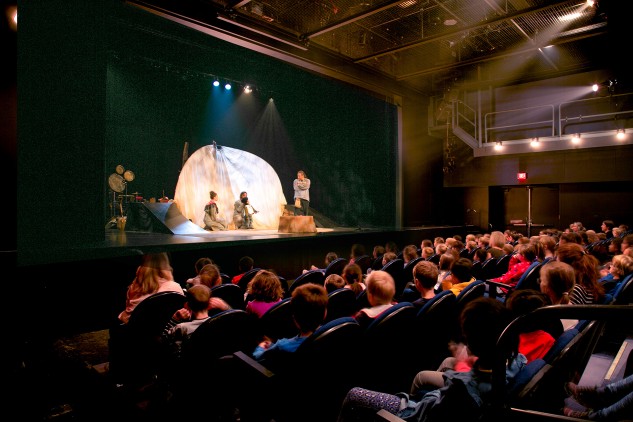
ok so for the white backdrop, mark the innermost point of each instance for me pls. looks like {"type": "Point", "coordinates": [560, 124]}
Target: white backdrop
{"type": "Point", "coordinates": [229, 171]}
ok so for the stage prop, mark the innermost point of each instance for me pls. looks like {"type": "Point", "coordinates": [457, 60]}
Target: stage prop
{"type": "Point", "coordinates": [297, 224]}
{"type": "Point", "coordinates": [159, 217]}
{"type": "Point", "coordinates": [229, 171]}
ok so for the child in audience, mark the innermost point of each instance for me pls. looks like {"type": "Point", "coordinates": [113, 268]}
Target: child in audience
{"type": "Point", "coordinates": [245, 264]}
{"type": "Point", "coordinates": [186, 320]}
{"type": "Point", "coordinates": [557, 280]}
{"type": "Point", "coordinates": [265, 290]}
{"type": "Point", "coordinates": [334, 282]}
{"type": "Point", "coordinates": [425, 277]}
{"type": "Point", "coordinates": [460, 276]}
{"type": "Point", "coordinates": [611, 402]}
{"type": "Point", "coordinates": [329, 258]}
{"type": "Point", "coordinates": [381, 289]}
{"type": "Point", "coordinates": [309, 306]}
{"type": "Point", "coordinates": [201, 262]}
{"type": "Point", "coordinates": [210, 276]}
{"type": "Point", "coordinates": [353, 276]}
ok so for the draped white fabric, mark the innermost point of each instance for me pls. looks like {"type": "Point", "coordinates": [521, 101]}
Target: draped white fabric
{"type": "Point", "coordinates": [229, 171]}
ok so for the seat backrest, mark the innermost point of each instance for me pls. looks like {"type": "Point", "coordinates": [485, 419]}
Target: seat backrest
{"type": "Point", "coordinates": [311, 276]}
{"type": "Point", "coordinates": [435, 325]}
{"type": "Point", "coordinates": [335, 267]}
{"type": "Point", "coordinates": [364, 262]}
{"type": "Point", "coordinates": [231, 294]}
{"type": "Point", "coordinates": [623, 293]}
{"type": "Point", "coordinates": [246, 278]}
{"type": "Point", "coordinates": [152, 314]}
{"type": "Point", "coordinates": [388, 339]}
{"type": "Point", "coordinates": [406, 275]}
{"type": "Point", "coordinates": [341, 303]}
{"type": "Point", "coordinates": [488, 269]}
{"type": "Point", "coordinates": [394, 268]}
{"type": "Point", "coordinates": [435, 258]}
{"type": "Point", "coordinates": [362, 301]}
{"type": "Point", "coordinates": [472, 291]}
{"type": "Point", "coordinates": [501, 265]}
{"type": "Point", "coordinates": [226, 279]}
{"type": "Point", "coordinates": [277, 322]}
{"type": "Point", "coordinates": [377, 263]}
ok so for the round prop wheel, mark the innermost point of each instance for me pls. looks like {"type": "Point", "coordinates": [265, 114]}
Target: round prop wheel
{"type": "Point", "coordinates": [116, 182]}
{"type": "Point", "coordinates": [129, 175]}
{"type": "Point", "coordinates": [120, 169]}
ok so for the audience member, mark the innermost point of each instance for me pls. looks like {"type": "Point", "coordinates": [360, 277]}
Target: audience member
{"type": "Point", "coordinates": [210, 276]}
{"type": "Point", "coordinates": [425, 275]}
{"type": "Point", "coordinates": [409, 252]}
{"type": "Point", "coordinates": [497, 240]}
{"type": "Point", "coordinates": [525, 256]}
{"type": "Point", "coordinates": [353, 276]}
{"type": "Point", "coordinates": [154, 275]}
{"type": "Point", "coordinates": [444, 270]}
{"type": "Point", "coordinates": [609, 402]}
{"type": "Point", "coordinates": [334, 282]}
{"type": "Point", "coordinates": [391, 246]}
{"type": "Point", "coordinates": [557, 281]}
{"type": "Point", "coordinates": [388, 256]}
{"type": "Point", "coordinates": [606, 227]}
{"type": "Point", "coordinates": [309, 307]}
{"type": "Point", "coordinates": [329, 258]}
{"type": "Point", "coordinates": [265, 291]}
{"type": "Point", "coordinates": [356, 252]}
{"type": "Point", "coordinates": [201, 262]}
{"type": "Point", "coordinates": [381, 289]}
{"type": "Point", "coordinates": [460, 276]}
{"type": "Point", "coordinates": [587, 288]}
{"type": "Point", "coordinates": [245, 264]}
{"type": "Point", "coordinates": [427, 252]}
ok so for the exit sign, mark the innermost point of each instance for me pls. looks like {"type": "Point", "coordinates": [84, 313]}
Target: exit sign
{"type": "Point", "coordinates": [521, 177]}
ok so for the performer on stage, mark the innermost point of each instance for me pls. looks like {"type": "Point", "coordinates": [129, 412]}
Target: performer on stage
{"type": "Point", "coordinates": [238, 211]}
{"type": "Point", "coordinates": [211, 219]}
{"type": "Point", "coordinates": [301, 187]}
{"type": "Point", "coordinates": [249, 210]}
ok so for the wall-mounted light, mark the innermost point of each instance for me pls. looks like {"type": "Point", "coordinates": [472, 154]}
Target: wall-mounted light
{"type": "Point", "coordinates": [620, 134]}
{"type": "Point", "coordinates": [575, 139]}
{"type": "Point", "coordinates": [535, 143]}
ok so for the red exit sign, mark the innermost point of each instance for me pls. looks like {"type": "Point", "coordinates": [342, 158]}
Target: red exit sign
{"type": "Point", "coordinates": [522, 177]}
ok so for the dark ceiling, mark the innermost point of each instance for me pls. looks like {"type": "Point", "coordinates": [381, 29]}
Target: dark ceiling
{"type": "Point", "coordinates": [424, 45]}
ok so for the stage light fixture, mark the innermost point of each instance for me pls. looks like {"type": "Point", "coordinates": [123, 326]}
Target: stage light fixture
{"type": "Point", "coordinates": [575, 139]}
{"type": "Point", "coordinates": [248, 89]}
{"type": "Point", "coordinates": [620, 134]}
{"type": "Point", "coordinates": [595, 87]}
{"type": "Point", "coordinates": [535, 143]}
{"type": "Point", "coordinates": [216, 83]}
{"type": "Point", "coordinates": [227, 86]}
{"type": "Point", "coordinates": [498, 146]}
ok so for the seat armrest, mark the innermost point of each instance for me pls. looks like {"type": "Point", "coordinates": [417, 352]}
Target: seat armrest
{"type": "Point", "coordinates": [383, 415]}
{"type": "Point", "coordinates": [252, 365]}
{"type": "Point", "coordinates": [492, 288]}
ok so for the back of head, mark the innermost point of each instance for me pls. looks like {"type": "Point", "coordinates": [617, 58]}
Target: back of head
{"type": "Point", "coordinates": [352, 273]}
{"type": "Point", "coordinates": [391, 247]}
{"type": "Point", "coordinates": [523, 301]}
{"type": "Point", "coordinates": [409, 252]}
{"type": "Point", "coordinates": [210, 275]}
{"type": "Point", "coordinates": [201, 262]}
{"type": "Point", "coordinates": [154, 266]}
{"type": "Point", "coordinates": [266, 287]}
{"type": "Point", "coordinates": [330, 257]}
{"type": "Point", "coordinates": [481, 254]}
{"type": "Point", "coordinates": [426, 272]}
{"type": "Point", "coordinates": [462, 269]}
{"type": "Point", "coordinates": [245, 263]}
{"type": "Point", "coordinates": [357, 250]}
{"type": "Point", "coordinates": [198, 297]}
{"type": "Point", "coordinates": [557, 281]}
{"type": "Point", "coordinates": [381, 288]}
{"type": "Point", "coordinates": [446, 262]}
{"type": "Point", "coordinates": [441, 248]}
{"type": "Point", "coordinates": [388, 256]}
{"type": "Point", "coordinates": [585, 265]}
{"type": "Point", "coordinates": [497, 239]}
{"type": "Point", "coordinates": [482, 322]}
{"type": "Point", "coordinates": [309, 304]}
{"type": "Point", "coordinates": [334, 282]}
{"type": "Point", "coordinates": [428, 251]}
{"type": "Point", "coordinates": [379, 250]}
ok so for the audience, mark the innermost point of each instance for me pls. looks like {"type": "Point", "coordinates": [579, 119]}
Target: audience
{"type": "Point", "coordinates": [460, 276]}
{"type": "Point", "coordinates": [201, 262]}
{"type": "Point", "coordinates": [425, 275]}
{"type": "Point", "coordinates": [245, 264]}
{"type": "Point", "coordinates": [353, 276]}
{"type": "Point", "coordinates": [587, 288]}
{"type": "Point", "coordinates": [334, 282]}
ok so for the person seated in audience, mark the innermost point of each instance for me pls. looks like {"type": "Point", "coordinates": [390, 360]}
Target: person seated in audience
{"type": "Point", "coordinates": [425, 278]}
{"type": "Point", "coordinates": [381, 289]}
{"type": "Point", "coordinates": [621, 266]}
{"type": "Point", "coordinates": [378, 250]}
{"type": "Point", "coordinates": [525, 256]}
{"type": "Point", "coordinates": [426, 243]}
{"type": "Point", "coordinates": [329, 258]}
{"type": "Point", "coordinates": [309, 307]}
{"type": "Point", "coordinates": [387, 257]}
{"type": "Point", "coordinates": [154, 275]}
{"type": "Point", "coordinates": [392, 246]}
{"type": "Point", "coordinates": [609, 402]}
{"type": "Point", "coordinates": [186, 320]}
{"type": "Point", "coordinates": [201, 262]}
{"type": "Point", "coordinates": [357, 251]}
{"type": "Point", "coordinates": [557, 281]}
{"type": "Point", "coordinates": [245, 264]}
{"type": "Point", "coordinates": [265, 291]}
{"type": "Point", "coordinates": [471, 246]}
{"type": "Point", "coordinates": [587, 289]}
{"type": "Point", "coordinates": [334, 282]}
{"type": "Point", "coordinates": [615, 246]}
{"type": "Point", "coordinates": [533, 343]}
{"type": "Point", "coordinates": [483, 241]}
{"type": "Point", "coordinates": [210, 276]}
{"type": "Point", "coordinates": [353, 276]}
{"type": "Point", "coordinates": [441, 249]}
{"type": "Point", "coordinates": [482, 322]}
{"type": "Point", "coordinates": [408, 253]}
{"type": "Point", "coordinates": [606, 227]}
{"type": "Point", "coordinates": [460, 276]}
{"type": "Point", "coordinates": [427, 252]}
{"type": "Point", "coordinates": [570, 237]}
{"type": "Point", "coordinates": [617, 232]}
{"type": "Point", "coordinates": [438, 240]}
{"type": "Point", "coordinates": [548, 244]}
{"type": "Point", "coordinates": [497, 240]}
{"type": "Point", "coordinates": [444, 270]}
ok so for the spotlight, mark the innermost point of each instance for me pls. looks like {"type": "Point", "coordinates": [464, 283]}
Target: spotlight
{"type": "Point", "coordinates": [248, 89]}
{"type": "Point", "coordinates": [227, 86]}
{"type": "Point", "coordinates": [216, 83]}
{"type": "Point", "coordinates": [535, 142]}
{"type": "Point", "coordinates": [620, 134]}
{"type": "Point", "coordinates": [595, 87]}
{"type": "Point", "coordinates": [498, 146]}
{"type": "Point", "coordinates": [575, 139]}
{"type": "Point", "coordinates": [270, 100]}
